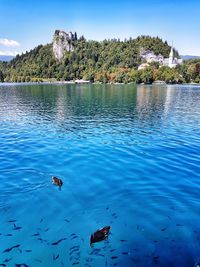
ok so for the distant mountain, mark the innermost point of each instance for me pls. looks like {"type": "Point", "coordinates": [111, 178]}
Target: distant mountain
{"type": "Point", "coordinates": [186, 57]}
{"type": "Point", "coordinates": [6, 58]}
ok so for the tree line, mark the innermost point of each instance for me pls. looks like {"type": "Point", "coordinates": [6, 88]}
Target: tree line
{"type": "Point", "coordinates": [107, 61]}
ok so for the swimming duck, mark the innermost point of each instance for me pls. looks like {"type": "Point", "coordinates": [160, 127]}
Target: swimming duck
{"type": "Point", "coordinates": [57, 181]}
{"type": "Point", "coordinates": [100, 235]}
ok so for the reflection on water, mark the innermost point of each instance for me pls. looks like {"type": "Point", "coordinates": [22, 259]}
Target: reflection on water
{"type": "Point", "coordinates": [128, 156]}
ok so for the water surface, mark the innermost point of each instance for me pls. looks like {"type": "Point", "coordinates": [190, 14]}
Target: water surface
{"type": "Point", "coordinates": [129, 158]}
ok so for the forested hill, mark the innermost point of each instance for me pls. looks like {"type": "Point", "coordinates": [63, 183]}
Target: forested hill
{"type": "Point", "coordinates": [90, 60]}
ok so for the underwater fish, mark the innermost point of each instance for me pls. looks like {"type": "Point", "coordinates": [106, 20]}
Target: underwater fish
{"type": "Point", "coordinates": [36, 234]}
{"type": "Point", "coordinates": [21, 264]}
{"type": "Point", "coordinates": [16, 227]}
{"type": "Point", "coordinates": [67, 220]}
{"type": "Point", "coordinates": [100, 235]}
{"type": "Point", "coordinates": [123, 240]}
{"type": "Point", "coordinates": [74, 237]}
{"type": "Point", "coordinates": [75, 247]}
{"type": "Point", "coordinates": [163, 229]}
{"type": "Point", "coordinates": [42, 220]}
{"type": "Point", "coordinates": [12, 221]}
{"type": "Point", "coordinates": [75, 263]}
{"type": "Point", "coordinates": [76, 256]}
{"type": "Point", "coordinates": [57, 242]}
{"type": "Point", "coordinates": [7, 260]}
{"type": "Point", "coordinates": [155, 259]}
{"type": "Point", "coordinates": [28, 250]}
{"type": "Point", "coordinates": [55, 257]}
{"type": "Point", "coordinates": [8, 235]}
{"type": "Point", "coordinates": [73, 251]}
{"type": "Point", "coordinates": [125, 253]}
{"type": "Point", "coordinates": [9, 249]}
{"type": "Point", "coordinates": [114, 257]}
{"type": "Point", "coordinates": [2, 264]}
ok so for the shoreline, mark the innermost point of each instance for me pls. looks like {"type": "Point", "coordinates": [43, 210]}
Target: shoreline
{"type": "Point", "coordinates": [94, 83]}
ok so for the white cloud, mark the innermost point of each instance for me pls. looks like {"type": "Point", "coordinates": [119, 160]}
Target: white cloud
{"type": "Point", "coordinates": [9, 43]}
{"type": "Point", "coordinates": [9, 53]}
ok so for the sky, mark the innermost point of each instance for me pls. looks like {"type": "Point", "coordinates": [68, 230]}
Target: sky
{"type": "Point", "coordinates": [25, 24]}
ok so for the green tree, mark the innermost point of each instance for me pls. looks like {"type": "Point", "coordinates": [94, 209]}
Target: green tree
{"type": "Point", "coordinates": [1, 77]}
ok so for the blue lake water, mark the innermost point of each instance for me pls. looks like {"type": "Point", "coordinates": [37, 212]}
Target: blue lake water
{"type": "Point", "coordinates": [129, 157]}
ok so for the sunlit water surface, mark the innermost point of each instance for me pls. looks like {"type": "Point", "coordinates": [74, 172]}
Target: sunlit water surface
{"type": "Point", "coordinates": [129, 158]}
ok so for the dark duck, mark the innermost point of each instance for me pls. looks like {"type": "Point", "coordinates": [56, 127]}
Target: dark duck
{"type": "Point", "coordinates": [100, 235]}
{"type": "Point", "coordinates": [57, 181]}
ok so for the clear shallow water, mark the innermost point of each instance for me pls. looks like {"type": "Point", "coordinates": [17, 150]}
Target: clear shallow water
{"type": "Point", "coordinates": [128, 157]}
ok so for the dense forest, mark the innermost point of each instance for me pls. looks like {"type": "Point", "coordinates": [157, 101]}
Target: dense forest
{"type": "Point", "coordinates": [107, 61]}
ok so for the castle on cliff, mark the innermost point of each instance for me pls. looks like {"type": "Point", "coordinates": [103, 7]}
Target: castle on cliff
{"type": "Point", "coordinates": [62, 42]}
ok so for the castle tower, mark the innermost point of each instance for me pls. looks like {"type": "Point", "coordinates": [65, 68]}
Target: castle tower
{"type": "Point", "coordinates": [171, 57]}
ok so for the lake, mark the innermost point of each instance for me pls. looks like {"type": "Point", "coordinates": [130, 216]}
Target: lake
{"type": "Point", "coordinates": [129, 157]}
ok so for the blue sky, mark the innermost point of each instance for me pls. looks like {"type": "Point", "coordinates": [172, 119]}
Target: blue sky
{"type": "Point", "coordinates": [25, 24]}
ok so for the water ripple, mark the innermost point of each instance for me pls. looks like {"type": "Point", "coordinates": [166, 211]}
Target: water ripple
{"type": "Point", "coordinates": [128, 157]}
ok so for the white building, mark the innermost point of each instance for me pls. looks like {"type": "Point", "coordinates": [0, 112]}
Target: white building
{"type": "Point", "coordinates": [172, 61]}
{"type": "Point", "coordinates": [143, 66]}
{"type": "Point", "coordinates": [149, 57]}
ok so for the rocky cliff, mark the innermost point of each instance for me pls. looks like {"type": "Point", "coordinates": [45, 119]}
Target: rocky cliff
{"type": "Point", "coordinates": [62, 42]}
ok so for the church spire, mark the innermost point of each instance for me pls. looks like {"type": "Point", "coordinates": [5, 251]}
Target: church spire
{"type": "Point", "coordinates": [171, 56]}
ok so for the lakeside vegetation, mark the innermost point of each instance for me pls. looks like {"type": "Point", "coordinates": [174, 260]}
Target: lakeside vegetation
{"type": "Point", "coordinates": [109, 61]}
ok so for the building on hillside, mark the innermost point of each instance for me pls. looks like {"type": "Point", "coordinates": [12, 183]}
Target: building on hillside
{"type": "Point", "coordinates": [143, 66]}
{"type": "Point", "coordinates": [172, 61]}
{"type": "Point", "coordinates": [150, 57]}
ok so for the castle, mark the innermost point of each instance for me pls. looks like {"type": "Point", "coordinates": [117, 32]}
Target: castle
{"type": "Point", "coordinates": [62, 42]}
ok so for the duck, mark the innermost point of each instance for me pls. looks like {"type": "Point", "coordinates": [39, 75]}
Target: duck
{"type": "Point", "coordinates": [100, 235]}
{"type": "Point", "coordinates": [57, 181]}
